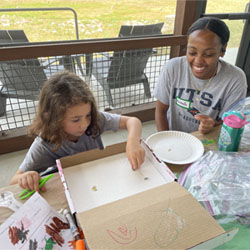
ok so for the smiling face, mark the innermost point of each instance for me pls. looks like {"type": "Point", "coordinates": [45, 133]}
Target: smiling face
{"type": "Point", "coordinates": [76, 120]}
{"type": "Point", "coordinates": [203, 51]}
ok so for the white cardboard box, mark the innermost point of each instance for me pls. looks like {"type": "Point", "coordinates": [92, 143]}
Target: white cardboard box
{"type": "Point", "coordinates": [119, 208]}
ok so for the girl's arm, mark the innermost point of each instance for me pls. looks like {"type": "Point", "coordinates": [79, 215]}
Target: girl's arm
{"type": "Point", "coordinates": [134, 150]}
{"type": "Point", "coordinates": [27, 176]}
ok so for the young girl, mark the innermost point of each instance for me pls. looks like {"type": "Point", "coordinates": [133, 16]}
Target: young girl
{"type": "Point", "coordinates": [68, 122]}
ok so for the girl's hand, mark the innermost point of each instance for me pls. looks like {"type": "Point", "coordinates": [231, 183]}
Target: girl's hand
{"type": "Point", "coordinates": [135, 152]}
{"type": "Point", "coordinates": [29, 180]}
{"type": "Point", "coordinates": [206, 123]}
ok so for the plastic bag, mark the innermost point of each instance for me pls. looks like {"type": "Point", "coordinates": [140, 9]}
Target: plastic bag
{"type": "Point", "coordinates": [220, 181]}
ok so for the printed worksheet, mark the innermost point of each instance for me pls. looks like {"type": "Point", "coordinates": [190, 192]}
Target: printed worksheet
{"type": "Point", "coordinates": [36, 226]}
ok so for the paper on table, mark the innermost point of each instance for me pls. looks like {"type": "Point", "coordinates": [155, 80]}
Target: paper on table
{"type": "Point", "coordinates": [26, 228]}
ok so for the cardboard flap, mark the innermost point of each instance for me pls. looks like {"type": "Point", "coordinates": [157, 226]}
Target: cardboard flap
{"type": "Point", "coordinates": [217, 241]}
{"type": "Point", "coordinates": [92, 155]}
{"type": "Point", "coordinates": [165, 217]}
{"type": "Point", "coordinates": [123, 209]}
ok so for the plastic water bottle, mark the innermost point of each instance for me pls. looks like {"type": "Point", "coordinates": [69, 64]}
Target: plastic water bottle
{"type": "Point", "coordinates": [231, 131]}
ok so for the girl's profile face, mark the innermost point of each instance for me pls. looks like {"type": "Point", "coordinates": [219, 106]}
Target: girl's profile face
{"type": "Point", "coordinates": [203, 51]}
{"type": "Point", "coordinates": [76, 120]}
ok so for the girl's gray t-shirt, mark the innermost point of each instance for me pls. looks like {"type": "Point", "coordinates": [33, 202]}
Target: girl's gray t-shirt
{"type": "Point", "coordinates": [41, 154]}
{"type": "Point", "coordinates": [177, 89]}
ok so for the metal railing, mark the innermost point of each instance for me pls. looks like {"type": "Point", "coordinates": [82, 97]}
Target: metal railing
{"type": "Point", "coordinates": [47, 9]}
{"type": "Point", "coordinates": [54, 57]}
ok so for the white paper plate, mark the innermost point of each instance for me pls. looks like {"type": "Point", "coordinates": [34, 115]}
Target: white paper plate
{"type": "Point", "coordinates": [175, 147]}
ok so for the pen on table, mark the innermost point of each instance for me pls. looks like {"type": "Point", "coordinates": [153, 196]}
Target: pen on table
{"type": "Point", "coordinates": [80, 245]}
{"type": "Point", "coordinates": [26, 192]}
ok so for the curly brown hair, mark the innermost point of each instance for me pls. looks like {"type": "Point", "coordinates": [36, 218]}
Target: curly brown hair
{"type": "Point", "coordinates": [59, 93]}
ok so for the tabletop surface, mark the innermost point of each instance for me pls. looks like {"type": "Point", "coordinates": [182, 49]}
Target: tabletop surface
{"type": "Point", "coordinates": [56, 197]}
{"type": "Point", "coordinates": [55, 191]}
{"type": "Point", "coordinates": [209, 141]}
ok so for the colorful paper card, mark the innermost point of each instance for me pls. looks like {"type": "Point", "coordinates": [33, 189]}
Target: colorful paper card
{"type": "Point", "coordinates": [36, 226]}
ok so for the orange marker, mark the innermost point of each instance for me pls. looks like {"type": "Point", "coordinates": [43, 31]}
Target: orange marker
{"type": "Point", "coordinates": [80, 245]}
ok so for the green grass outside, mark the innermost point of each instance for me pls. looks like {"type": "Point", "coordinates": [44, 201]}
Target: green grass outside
{"type": "Point", "coordinates": [103, 18]}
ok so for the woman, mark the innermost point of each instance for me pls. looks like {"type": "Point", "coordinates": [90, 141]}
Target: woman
{"type": "Point", "coordinates": [195, 90]}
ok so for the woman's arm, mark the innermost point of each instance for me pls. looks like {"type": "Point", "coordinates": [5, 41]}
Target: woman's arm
{"type": "Point", "coordinates": [161, 116]}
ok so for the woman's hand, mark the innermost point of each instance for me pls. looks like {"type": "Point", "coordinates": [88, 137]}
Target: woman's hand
{"type": "Point", "coordinates": [206, 123]}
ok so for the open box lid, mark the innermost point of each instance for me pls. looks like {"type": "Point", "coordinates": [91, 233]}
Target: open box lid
{"type": "Point", "coordinates": [165, 217]}
{"type": "Point", "coordinates": [160, 215]}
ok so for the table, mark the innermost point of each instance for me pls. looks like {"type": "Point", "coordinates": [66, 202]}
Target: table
{"type": "Point", "coordinates": [56, 197]}
{"type": "Point", "coordinates": [55, 191]}
{"type": "Point", "coordinates": [210, 142]}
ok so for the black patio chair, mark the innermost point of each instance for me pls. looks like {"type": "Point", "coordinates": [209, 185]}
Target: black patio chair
{"type": "Point", "coordinates": [19, 78]}
{"type": "Point", "coordinates": [124, 68]}
{"type": "Point", "coordinates": [24, 79]}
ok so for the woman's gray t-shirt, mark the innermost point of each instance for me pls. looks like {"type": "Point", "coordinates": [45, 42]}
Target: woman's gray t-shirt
{"type": "Point", "coordinates": [176, 88]}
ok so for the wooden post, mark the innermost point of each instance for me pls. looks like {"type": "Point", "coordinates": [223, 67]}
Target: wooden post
{"type": "Point", "coordinates": [187, 11]}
